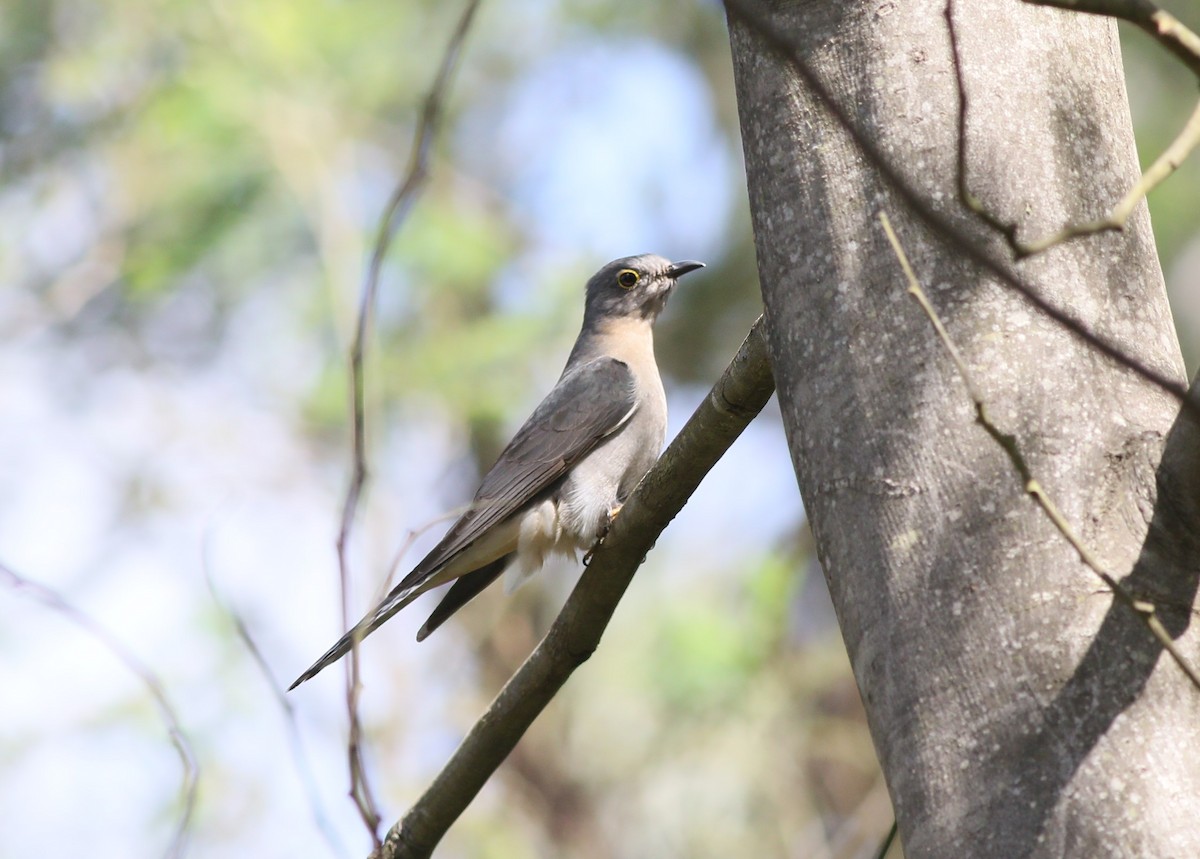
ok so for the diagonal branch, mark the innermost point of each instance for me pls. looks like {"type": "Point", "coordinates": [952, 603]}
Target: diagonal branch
{"type": "Point", "coordinates": [170, 718]}
{"type": "Point", "coordinates": [398, 207]}
{"type": "Point", "coordinates": [756, 15]}
{"type": "Point", "coordinates": [1144, 609]}
{"type": "Point", "coordinates": [737, 397]}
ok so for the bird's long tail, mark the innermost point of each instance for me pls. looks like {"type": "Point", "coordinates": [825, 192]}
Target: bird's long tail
{"type": "Point", "coordinates": [361, 630]}
{"type": "Point", "coordinates": [464, 589]}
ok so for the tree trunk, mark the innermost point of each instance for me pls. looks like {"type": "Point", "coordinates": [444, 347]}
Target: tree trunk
{"type": "Point", "coordinates": [1016, 707]}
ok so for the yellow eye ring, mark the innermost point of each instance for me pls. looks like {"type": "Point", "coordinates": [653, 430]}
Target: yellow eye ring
{"type": "Point", "coordinates": [627, 278]}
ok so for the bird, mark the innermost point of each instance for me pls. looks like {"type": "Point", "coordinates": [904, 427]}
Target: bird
{"type": "Point", "coordinates": [559, 484]}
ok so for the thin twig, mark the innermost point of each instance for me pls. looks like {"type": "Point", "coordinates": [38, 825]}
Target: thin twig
{"type": "Point", "coordinates": [1164, 27]}
{"type": "Point", "coordinates": [886, 844]}
{"type": "Point", "coordinates": [1006, 228]}
{"type": "Point", "coordinates": [849, 838]}
{"type": "Point", "coordinates": [410, 537]}
{"type": "Point", "coordinates": [148, 678]}
{"type": "Point", "coordinates": [779, 42]}
{"type": "Point", "coordinates": [737, 397]}
{"type": "Point", "coordinates": [1008, 443]}
{"type": "Point", "coordinates": [295, 741]}
{"type": "Point", "coordinates": [1170, 33]}
{"type": "Point", "coordinates": [1114, 221]}
{"type": "Point", "coordinates": [398, 207]}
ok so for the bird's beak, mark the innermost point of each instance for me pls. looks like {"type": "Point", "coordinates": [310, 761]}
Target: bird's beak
{"type": "Point", "coordinates": [679, 269]}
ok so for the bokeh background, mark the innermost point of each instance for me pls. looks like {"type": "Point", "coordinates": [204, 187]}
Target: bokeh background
{"type": "Point", "coordinates": [188, 193]}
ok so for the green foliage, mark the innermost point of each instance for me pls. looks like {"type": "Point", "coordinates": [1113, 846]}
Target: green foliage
{"type": "Point", "coordinates": [710, 646]}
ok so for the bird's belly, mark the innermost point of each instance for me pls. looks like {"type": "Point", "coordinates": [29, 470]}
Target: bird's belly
{"type": "Point", "coordinates": [577, 514]}
{"type": "Point", "coordinates": [601, 481]}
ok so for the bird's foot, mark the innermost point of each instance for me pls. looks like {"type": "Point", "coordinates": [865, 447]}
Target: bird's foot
{"type": "Point", "coordinates": [605, 527]}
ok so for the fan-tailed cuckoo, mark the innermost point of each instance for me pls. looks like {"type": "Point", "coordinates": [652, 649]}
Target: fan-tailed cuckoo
{"type": "Point", "coordinates": [559, 482]}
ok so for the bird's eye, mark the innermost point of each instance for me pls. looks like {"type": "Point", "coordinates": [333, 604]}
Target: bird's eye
{"type": "Point", "coordinates": [628, 278]}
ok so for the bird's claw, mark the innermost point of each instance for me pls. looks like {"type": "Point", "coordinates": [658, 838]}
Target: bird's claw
{"type": "Point", "coordinates": [605, 527]}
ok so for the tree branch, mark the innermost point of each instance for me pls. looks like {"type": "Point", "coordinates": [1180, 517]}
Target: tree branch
{"type": "Point", "coordinates": [398, 207]}
{"type": "Point", "coordinates": [737, 397]}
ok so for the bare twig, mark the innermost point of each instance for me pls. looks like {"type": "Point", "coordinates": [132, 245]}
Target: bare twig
{"type": "Point", "coordinates": [849, 839]}
{"type": "Point", "coordinates": [153, 684]}
{"type": "Point", "coordinates": [886, 844]}
{"type": "Point", "coordinates": [756, 16]}
{"type": "Point", "coordinates": [410, 537]}
{"type": "Point", "coordinates": [398, 207]}
{"type": "Point", "coordinates": [1008, 443]}
{"type": "Point", "coordinates": [737, 397]}
{"type": "Point", "coordinates": [1006, 228]}
{"type": "Point", "coordinates": [1171, 34]}
{"type": "Point", "coordinates": [1164, 166]}
{"type": "Point", "coordinates": [295, 742]}
{"type": "Point", "coordinates": [1164, 27]}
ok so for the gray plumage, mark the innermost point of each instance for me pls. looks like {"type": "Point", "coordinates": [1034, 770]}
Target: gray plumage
{"type": "Point", "coordinates": [556, 486]}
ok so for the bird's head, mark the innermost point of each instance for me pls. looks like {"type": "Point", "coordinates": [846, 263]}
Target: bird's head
{"type": "Point", "coordinates": [633, 288]}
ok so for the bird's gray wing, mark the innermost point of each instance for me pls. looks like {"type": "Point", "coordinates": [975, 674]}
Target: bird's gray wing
{"type": "Point", "coordinates": [589, 403]}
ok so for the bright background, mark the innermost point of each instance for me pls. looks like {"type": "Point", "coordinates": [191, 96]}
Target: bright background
{"type": "Point", "coordinates": [187, 196]}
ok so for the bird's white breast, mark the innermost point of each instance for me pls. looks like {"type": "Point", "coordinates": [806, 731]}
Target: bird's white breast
{"type": "Point", "coordinates": [574, 518]}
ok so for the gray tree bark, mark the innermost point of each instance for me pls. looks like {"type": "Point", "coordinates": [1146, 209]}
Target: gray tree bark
{"type": "Point", "coordinates": [1017, 708]}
